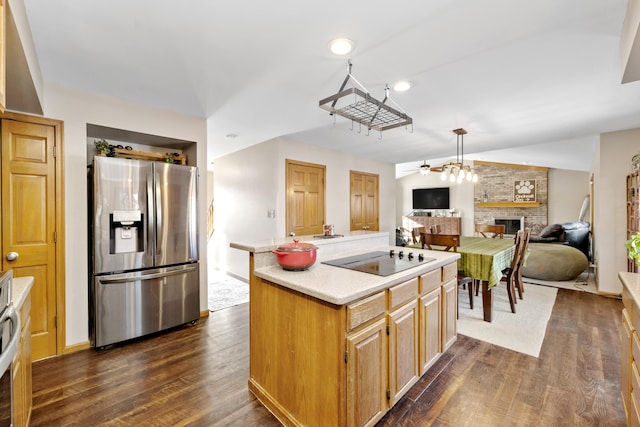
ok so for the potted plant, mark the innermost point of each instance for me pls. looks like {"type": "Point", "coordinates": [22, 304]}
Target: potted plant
{"type": "Point", "coordinates": [633, 247]}
{"type": "Point", "coordinates": [103, 147]}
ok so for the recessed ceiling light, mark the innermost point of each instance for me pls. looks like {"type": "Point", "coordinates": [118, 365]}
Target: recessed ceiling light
{"type": "Point", "coordinates": [401, 86]}
{"type": "Point", "coordinates": [341, 46]}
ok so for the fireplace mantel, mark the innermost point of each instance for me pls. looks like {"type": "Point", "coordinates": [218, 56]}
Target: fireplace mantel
{"type": "Point", "coordinates": [508, 204]}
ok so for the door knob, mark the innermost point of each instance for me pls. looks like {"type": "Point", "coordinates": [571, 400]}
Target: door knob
{"type": "Point", "coordinates": [12, 256]}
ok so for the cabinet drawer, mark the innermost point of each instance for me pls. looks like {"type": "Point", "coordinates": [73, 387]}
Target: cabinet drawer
{"type": "Point", "coordinates": [364, 310]}
{"type": "Point", "coordinates": [449, 272]}
{"type": "Point", "coordinates": [403, 292]}
{"type": "Point", "coordinates": [429, 281]}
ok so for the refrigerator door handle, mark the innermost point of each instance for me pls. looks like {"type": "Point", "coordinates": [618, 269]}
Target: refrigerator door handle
{"type": "Point", "coordinates": [148, 276]}
{"type": "Point", "coordinates": [151, 209]}
{"type": "Point", "coordinates": [158, 205]}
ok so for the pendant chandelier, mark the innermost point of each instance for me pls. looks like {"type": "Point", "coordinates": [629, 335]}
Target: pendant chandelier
{"type": "Point", "coordinates": [454, 171]}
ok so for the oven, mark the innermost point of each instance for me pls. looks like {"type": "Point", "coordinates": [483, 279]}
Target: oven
{"type": "Point", "coordinates": [9, 336]}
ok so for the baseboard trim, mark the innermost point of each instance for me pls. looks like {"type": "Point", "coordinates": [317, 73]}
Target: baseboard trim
{"type": "Point", "coordinates": [76, 347]}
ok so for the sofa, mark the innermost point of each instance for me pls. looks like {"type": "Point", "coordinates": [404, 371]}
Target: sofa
{"type": "Point", "coordinates": [576, 234]}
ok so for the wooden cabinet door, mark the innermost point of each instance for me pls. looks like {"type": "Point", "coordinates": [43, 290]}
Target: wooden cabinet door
{"type": "Point", "coordinates": [450, 305]}
{"type": "Point", "coordinates": [625, 361]}
{"type": "Point", "coordinates": [367, 375]}
{"type": "Point", "coordinates": [22, 388]}
{"type": "Point", "coordinates": [305, 198]}
{"type": "Point", "coordinates": [364, 201]}
{"type": "Point", "coordinates": [430, 328]}
{"type": "Point", "coordinates": [404, 369]}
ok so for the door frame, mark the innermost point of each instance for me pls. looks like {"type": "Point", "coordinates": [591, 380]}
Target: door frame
{"type": "Point", "coordinates": [60, 284]}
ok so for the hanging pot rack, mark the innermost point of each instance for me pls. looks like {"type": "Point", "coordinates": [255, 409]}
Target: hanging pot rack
{"type": "Point", "coordinates": [366, 110]}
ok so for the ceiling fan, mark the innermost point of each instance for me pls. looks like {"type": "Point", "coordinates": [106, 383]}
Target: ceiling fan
{"type": "Point", "coordinates": [425, 168]}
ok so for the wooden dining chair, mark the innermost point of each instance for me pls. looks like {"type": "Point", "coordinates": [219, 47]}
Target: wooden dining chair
{"type": "Point", "coordinates": [448, 242]}
{"type": "Point", "coordinates": [490, 230]}
{"type": "Point", "coordinates": [510, 273]}
{"type": "Point", "coordinates": [436, 229]}
{"type": "Point", "coordinates": [415, 234]}
{"type": "Point", "coordinates": [524, 246]}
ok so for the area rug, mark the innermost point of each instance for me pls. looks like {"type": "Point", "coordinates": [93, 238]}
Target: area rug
{"type": "Point", "coordinates": [523, 331]}
{"type": "Point", "coordinates": [225, 292]}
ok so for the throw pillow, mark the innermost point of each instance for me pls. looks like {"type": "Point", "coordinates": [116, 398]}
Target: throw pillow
{"type": "Point", "coordinates": [552, 230]}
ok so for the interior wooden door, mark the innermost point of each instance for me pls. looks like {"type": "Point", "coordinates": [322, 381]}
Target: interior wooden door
{"type": "Point", "coordinates": [3, 54]}
{"type": "Point", "coordinates": [29, 222]}
{"type": "Point", "coordinates": [364, 201]}
{"type": "Point", "coordinates": [305, 184]}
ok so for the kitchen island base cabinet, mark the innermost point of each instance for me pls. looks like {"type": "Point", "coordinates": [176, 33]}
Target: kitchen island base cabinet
{"type": "Point", "coordinates": [22, 385]}
{"type": "Point", "coordinates": [313, 363]}
{"type": "Point", "coordinates": [630, 347]}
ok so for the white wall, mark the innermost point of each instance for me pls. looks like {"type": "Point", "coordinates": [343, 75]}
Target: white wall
{"type": "Point", "coordinates": [566, 191]}
{"type": "Point", "coordinates": [250, 182]}
{"type": "Point", "coordinates": [460, 197]}
{"type": "Point", "coordinates": [613, 163]}
{"type": "Point", "coordinates": [77, 109]}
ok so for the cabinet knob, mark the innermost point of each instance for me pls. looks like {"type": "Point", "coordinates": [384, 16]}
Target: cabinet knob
{"type": "Point", "coordinates": [12, 256]}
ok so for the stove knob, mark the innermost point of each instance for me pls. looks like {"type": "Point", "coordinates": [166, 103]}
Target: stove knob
{"type": "Point", "coordinates": [410, 255]}
{"type": "Point", "coordinates": [392, 253]}
{"type": "Point", "coordinates": [421, 257]}
{"type": "Point", "coordinates": [400, 254]}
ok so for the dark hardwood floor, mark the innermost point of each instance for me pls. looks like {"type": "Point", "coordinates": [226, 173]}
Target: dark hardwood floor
{"type": "Point", "coordinates": [197, 375]}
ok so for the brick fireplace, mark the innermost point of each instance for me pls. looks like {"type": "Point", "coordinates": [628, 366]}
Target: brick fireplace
{"type": "Point", "coordinates": [496, 181]}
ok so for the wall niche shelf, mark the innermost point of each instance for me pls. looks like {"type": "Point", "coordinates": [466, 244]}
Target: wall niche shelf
{"type": "Point", "coordinates": [508, 204]}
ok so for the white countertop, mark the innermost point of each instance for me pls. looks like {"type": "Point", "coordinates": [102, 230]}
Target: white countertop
{"type": "Point", "coordinates": [340, 286]}
{"type": "Point", "coordinates": [271, 244]}
{"type": "Point", "coordinates": [20, 287]}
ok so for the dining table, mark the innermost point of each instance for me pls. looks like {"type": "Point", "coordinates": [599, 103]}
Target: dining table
{"type": "Point", "coordinates": [484, 259]}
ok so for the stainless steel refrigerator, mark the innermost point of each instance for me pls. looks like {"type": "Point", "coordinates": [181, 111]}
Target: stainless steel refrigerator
{"type": "Point", "coordinates": [144, 248]}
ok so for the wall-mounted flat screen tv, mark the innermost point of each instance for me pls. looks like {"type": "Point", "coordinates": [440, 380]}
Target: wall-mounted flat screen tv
{"type": "Point", "coordinates": [431, 198]}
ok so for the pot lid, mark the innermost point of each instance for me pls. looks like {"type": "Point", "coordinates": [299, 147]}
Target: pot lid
{"type": "Point", "coordinates": [296, 246]}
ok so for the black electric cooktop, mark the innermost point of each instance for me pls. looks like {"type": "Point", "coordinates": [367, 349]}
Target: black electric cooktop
{"type": "Point", "coordinates": [381, 263]}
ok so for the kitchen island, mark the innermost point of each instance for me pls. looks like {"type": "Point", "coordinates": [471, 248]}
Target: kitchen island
{"type": "Point", "coordinates": [630, 347]}
{"type": "Point", "coordinates": [21, 367]}
{"type": "Point", "coordinates": [331, 346]}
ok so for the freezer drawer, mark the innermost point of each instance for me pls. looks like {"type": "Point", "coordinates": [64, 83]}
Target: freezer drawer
{"type": "Point", "coordinates": [135, 304]}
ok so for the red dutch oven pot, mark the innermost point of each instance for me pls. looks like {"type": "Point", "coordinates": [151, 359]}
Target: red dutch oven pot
{"type": "Point", "coordinates": [296, 256]}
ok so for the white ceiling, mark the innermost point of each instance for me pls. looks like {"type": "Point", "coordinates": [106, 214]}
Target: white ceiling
{"type": "Point", "coordinates": [533, 81]}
